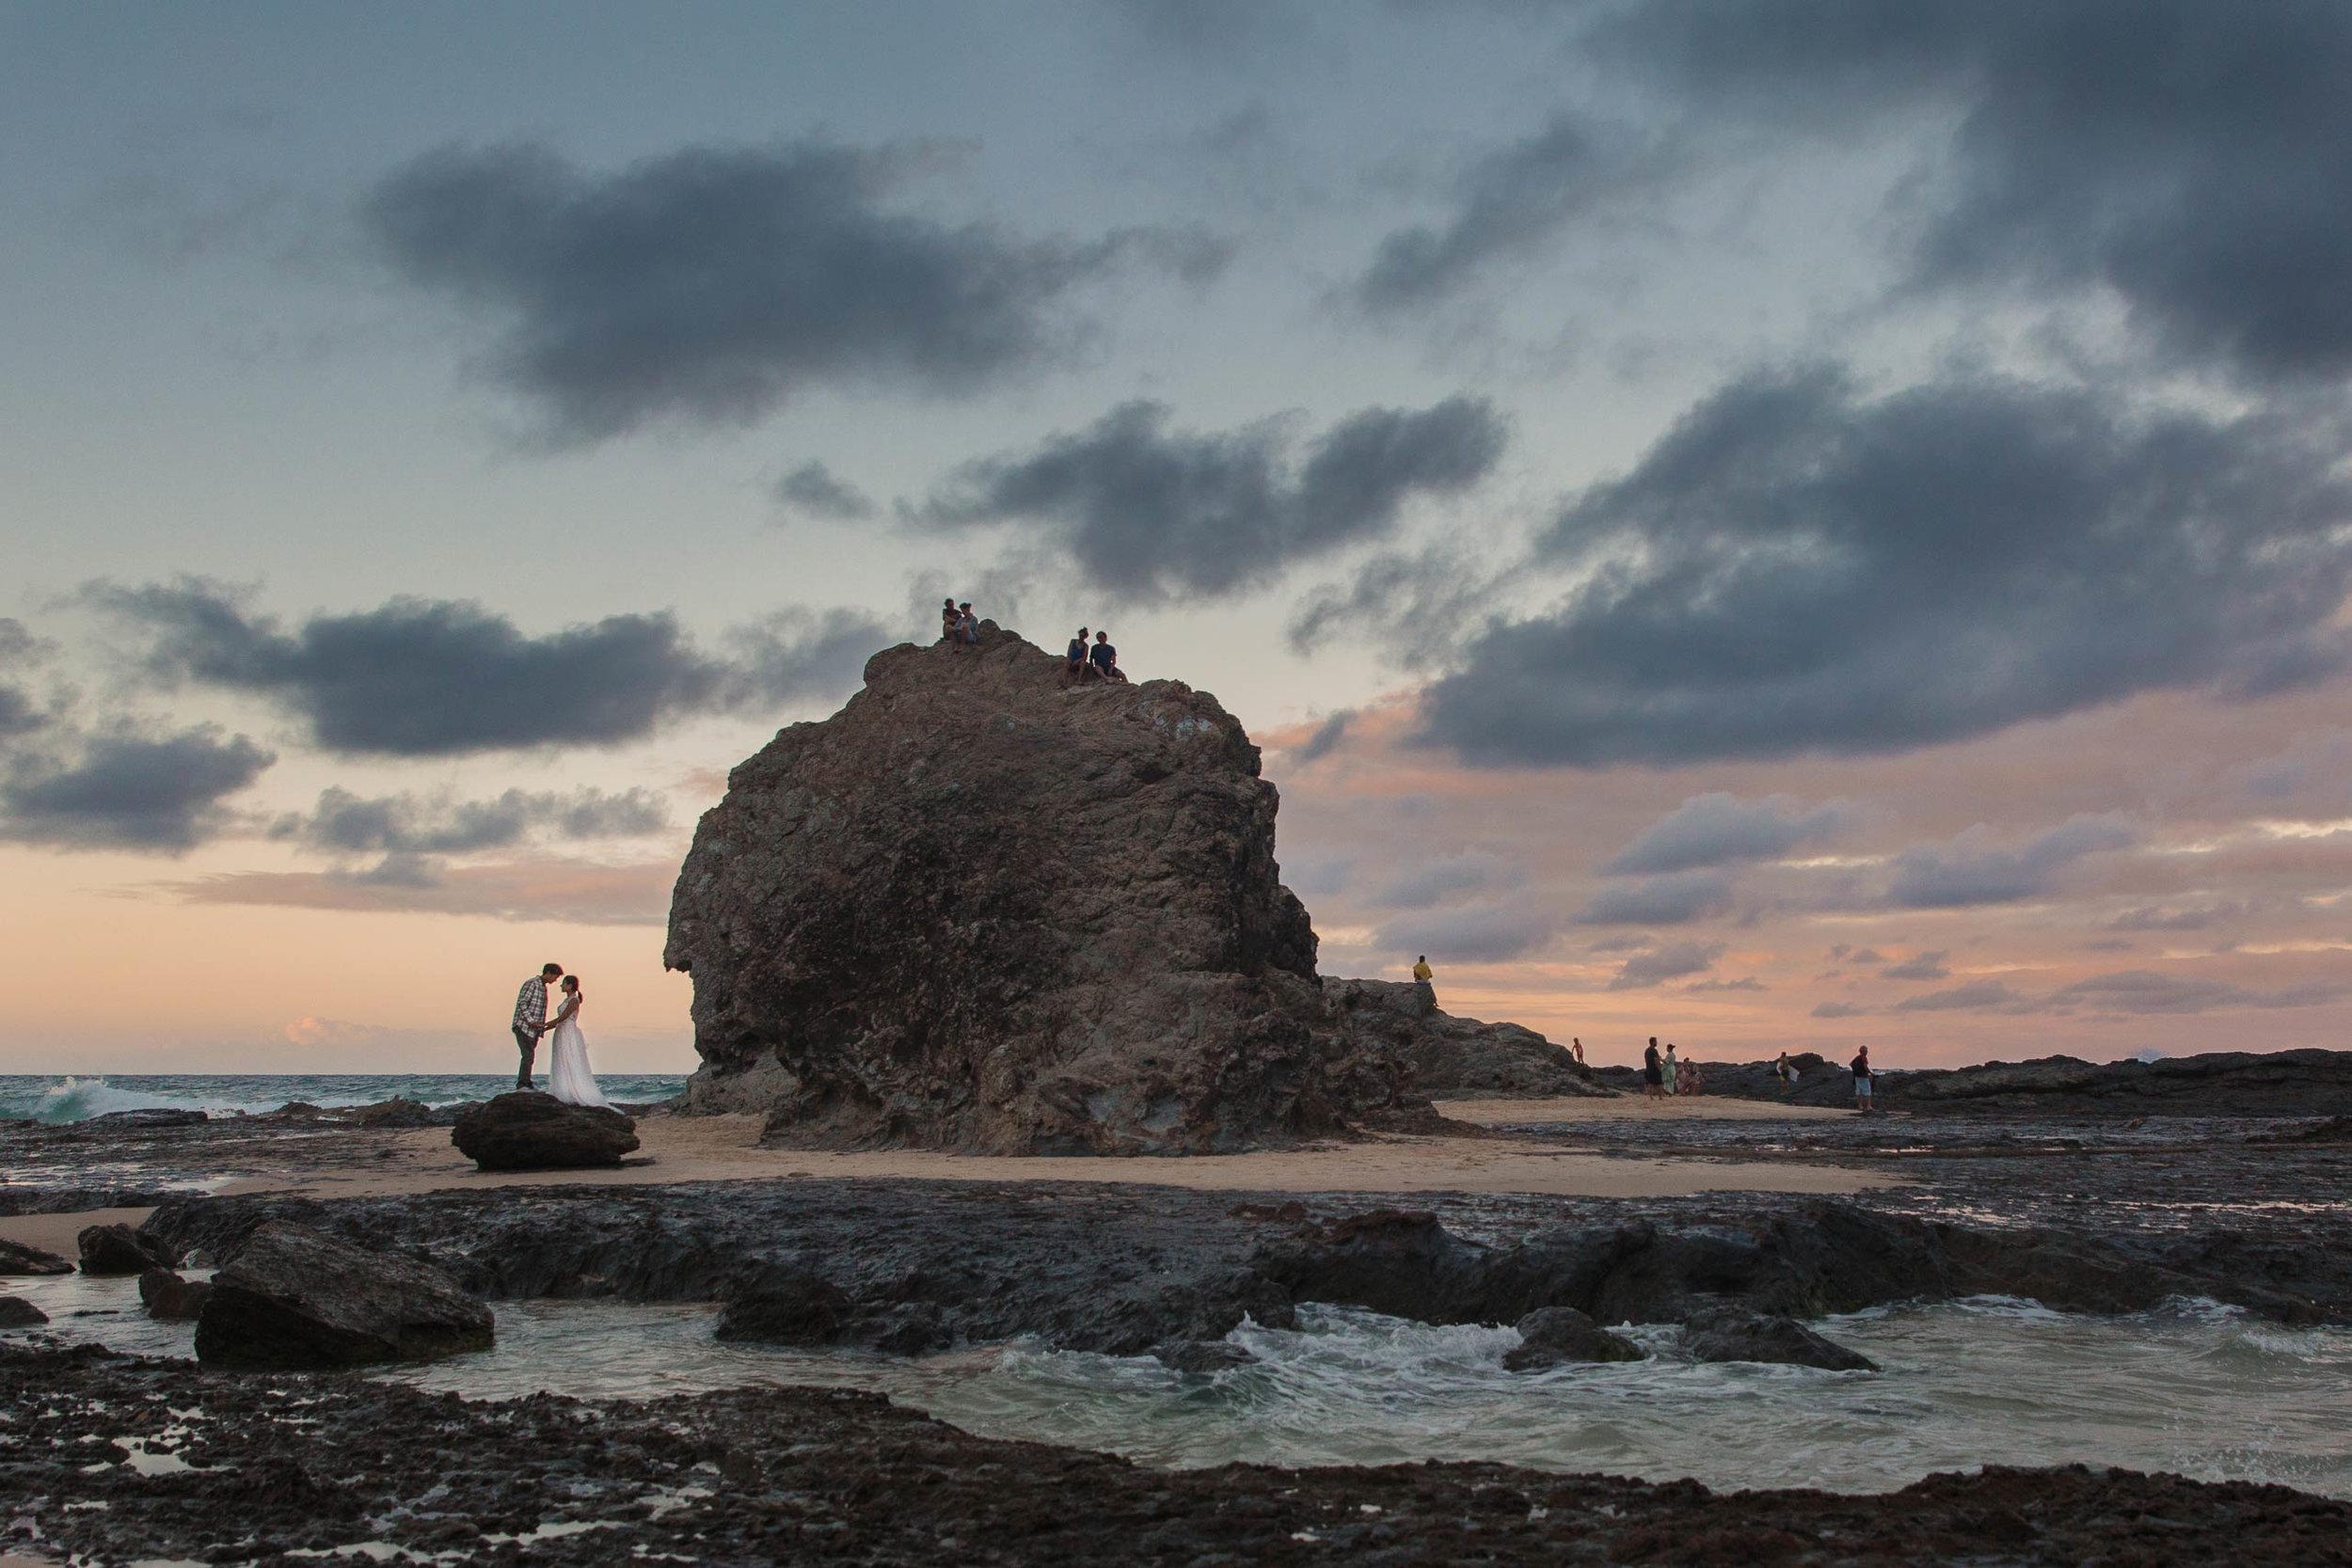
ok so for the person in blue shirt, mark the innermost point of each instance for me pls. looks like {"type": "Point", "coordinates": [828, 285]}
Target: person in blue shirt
{"type": "Point", "coordinates": [1105, 657]}
{"type": "Point", "coordinates": [1075, 660]}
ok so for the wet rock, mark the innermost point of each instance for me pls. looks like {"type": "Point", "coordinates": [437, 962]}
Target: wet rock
{"type": "Point", "coordinates": [1550, 1336]}
{"type": "Point", "coordinates": [119, 1249]}
{"type": "Point", "coordinates": [170, 1298]}
{"type": "Point", "coordinates": [786, 1306]}
{"type": "Point", "coordinates": [17, 1259]}
{"type": "Point", "coordinates": [149, 1117]}
{"type": "Point", "coordinates": [1730, 1335]}
{"type": "Point", "coordinates": [982, 909]}
{"type": "Point", "coordinates": [1455, 1058]}
{"type": "Point", "coordinates": [1201, 1357]}
{"type": "Point", "coordinates": [2334, 1129]}
{"type": "Point", "coordinates": [528, 1131]}
{"type": "Point", "coordinates": [397, 1112]}
{"type": "Point", "coordinates": [16, 1312]}
{"type": "Point", "coordinates": [293, 1298]}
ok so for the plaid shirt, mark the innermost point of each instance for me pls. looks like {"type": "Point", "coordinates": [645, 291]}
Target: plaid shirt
{"type": "Point", "coordinates": [531, 1003]}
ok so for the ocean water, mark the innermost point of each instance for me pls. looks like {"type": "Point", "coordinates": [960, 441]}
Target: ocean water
{"type": "Point", "coordinates": [64, 1097]}
{"type": "Point", "coordinates": [2195, 1388]}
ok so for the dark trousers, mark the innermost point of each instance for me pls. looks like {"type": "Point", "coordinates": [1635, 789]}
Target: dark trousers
{"type": "Point", "coordinates": [528, 1043]}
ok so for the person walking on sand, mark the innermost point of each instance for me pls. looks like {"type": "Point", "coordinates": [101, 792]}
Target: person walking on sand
{"type": "Point", "coordinates": [530, 1019]}
{"type": "Point", "coordinates": [1674, 1071]}
{"type": "Point", "coordinates": [1424, 980]}
{"type": "Point", "coordinates": [1653, 1073]}
{"type": "Point", "coordinates": [1862, 1076]}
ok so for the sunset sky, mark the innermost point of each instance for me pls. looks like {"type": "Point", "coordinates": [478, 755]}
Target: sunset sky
{"type": "Point", "coordinates": [1764, 522]}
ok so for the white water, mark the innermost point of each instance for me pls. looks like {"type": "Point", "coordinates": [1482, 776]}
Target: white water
{"type": "Point", "coordinates": [2197, 1389]}
{"type": "Point", "coordinates": [56, 1099]}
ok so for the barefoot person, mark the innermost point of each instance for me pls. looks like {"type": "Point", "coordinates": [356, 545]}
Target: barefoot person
{"type": "Point", "coordinates": [1862, 1076]}
{"type": "Point", "coordinates": [531, 1018]}
{"type": "Point", "coordinates": [569, 1078]}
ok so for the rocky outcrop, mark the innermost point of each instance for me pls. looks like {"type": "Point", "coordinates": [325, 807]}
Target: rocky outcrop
{"type": "Point", "coordinates": [528, 1131]}
{"type": "Point", "coordinates": [1556, 1336]}
{"type": "Point", "coordinates": [1455, 1058]}
{"type": "Point", "coordinates": [119, 1249]}
{"type": "Point", "coordinates": [1727, 1333]}
{"type": "Point", "coordinates": [2217, 1083]}
{"type": "Point", "coordinates": [169, 1298]}
{"type": "Point", "coordinates": [17, 1259]}
{"type": "Point", "coordinates": [16, 1312]}
{"type": "Point", "coordinates": [985, 909]}
{"type": "Point", "coordinates": [292, 1298]}
{"type": "Point", "coordinates": [397, 1112]}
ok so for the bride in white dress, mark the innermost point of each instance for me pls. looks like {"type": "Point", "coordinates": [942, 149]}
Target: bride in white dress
{"type": "Point", "coordinates": [568, 1078]}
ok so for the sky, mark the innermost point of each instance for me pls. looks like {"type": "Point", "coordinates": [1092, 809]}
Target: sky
{"type": "Point", "coordinates": [1771, 523]}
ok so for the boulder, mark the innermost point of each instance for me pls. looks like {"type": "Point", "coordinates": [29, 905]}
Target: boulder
{"type": "Point", "coordinates": [528, 1131]}
{"type": "Point", "coordinates": [1455, 1058]}
{"type": "Point", "coordinates": [294, 1298]}
{"type": "Point", "coordinates": [985, 909]}
{"type": "Point", "coordinates": [396, 1112]}
{"type": "Point", "coordinates": [119, 1249]}
{"type": "Point", "coordinates": [17, 1259]}
{"type": "Point", "coordinates": [170, 1298]}
{"type": "Point", "coordinates": [16, 1312]}
{"type": "Point", "coordinates": [1730, 1333]}
{"type": "Point", "coordinates": [146, 1117]}
{"type": "Point", "coordinates": [1552, 1334]}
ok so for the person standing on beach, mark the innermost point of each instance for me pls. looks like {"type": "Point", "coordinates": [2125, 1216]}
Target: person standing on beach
{"type": "Point", "coordinates": [531, 1018]}
{"type": "Point", "coordinates": [1674, 1071]}
{"type": "Point", "coordinates": [1862, 1076]}
{"type": "Point", "coordinates": [1653, 1073]}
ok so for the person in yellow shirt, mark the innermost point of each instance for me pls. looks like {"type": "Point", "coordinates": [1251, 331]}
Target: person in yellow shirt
{"type": "Point", "coordinates": [1423, 975]}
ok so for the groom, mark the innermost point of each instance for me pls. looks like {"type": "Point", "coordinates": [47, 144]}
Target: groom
{"type": "Point", "coordinates": [531, 1018]}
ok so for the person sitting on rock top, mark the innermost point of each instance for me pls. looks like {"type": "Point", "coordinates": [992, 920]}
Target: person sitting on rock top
{"type": "Point", "coordinates": [1075, 658]}
{"type": "Point", "coordinates": [1106, 659]}
{"type": "Point", "coordinates": [1424, 978]}
{"type": "Point", "coordinates": [968, 624]}
{"type": "Point", "coordinates": [947, 621]}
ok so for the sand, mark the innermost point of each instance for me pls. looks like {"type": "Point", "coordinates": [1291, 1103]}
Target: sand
{"type": "Point", "coordinates": [726, 1148]}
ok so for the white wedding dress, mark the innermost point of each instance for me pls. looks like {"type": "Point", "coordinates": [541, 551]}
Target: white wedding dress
{"type": "Point", "coordinates": [568, 1078]}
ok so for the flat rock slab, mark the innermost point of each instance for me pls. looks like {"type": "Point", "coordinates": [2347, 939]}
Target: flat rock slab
{"type": "Point", "coordinates": [292, 1298]}
{"type": "Point", "coordinates": [17, 1259]}
{"type": "Point", "coordinates": [527, 1130]}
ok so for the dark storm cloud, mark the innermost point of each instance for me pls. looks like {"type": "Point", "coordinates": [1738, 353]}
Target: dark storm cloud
{"type": "Point", "coordinates": [1719, 828]}
{"type": "Point", "coordinates": [1326, 738]}
{"type": "Point", "coordinates": [1675, 898]}
{"type": "Point", "coordinates": [419, 678]}
{"type": "Point", "coordinates": [712, 285]}
{"type": "Point", "coordinates": [1153, 513]}
{"type": "Point", "coordinates": [128, 791]}
{"type": "Point", "coordinates": [816, 491]}
{"type": "Point", "coordinates": [1920, 966]}
{"type": "Point", "coordinates": [18, 650]}
{"type": "Point", "coordinates": [1796, 566]}
{"type": "Point", "coordinates": [2144, 991]}
{"type": "Point", "coordinates": [2189, 158]}
{"type": "Point", "coordinates": [1644, 971]}
{"type": "Point", "coordinates": [1972, 868]}
{"type": "Point", "coordinates": [1505, 205]}
{"type": "Point", "coordinates": [1415, 605]}
{"type": "Point", "coordinates": [396, 824]}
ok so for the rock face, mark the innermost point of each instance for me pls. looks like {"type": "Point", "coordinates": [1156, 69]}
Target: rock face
{"type": "Point", "coordinates": [984, 909]}
{"type": "Point", "coordinates": [119, 1249]}
{"type": "Point", "coordinates": [292, 1298]}
{"type": "Point", "coordinates": [528, 1131]}
{"type": "Point", "coordinates": [17, 1259]}
{"type": "Point", "coordinates": [170, 1298]}
{"type": "Point", "coordinates": [1455, 1058]}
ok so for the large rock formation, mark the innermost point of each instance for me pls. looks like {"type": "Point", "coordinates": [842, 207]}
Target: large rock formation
{"type": "Point", "coordinates": [1456, 1058]}
{"type": "Point", "coordinates": [526, 1129]}
{"type": "Point", "coordinates": [292, 1298]}
{"type": "Point", "coordinates": [985, 909]}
